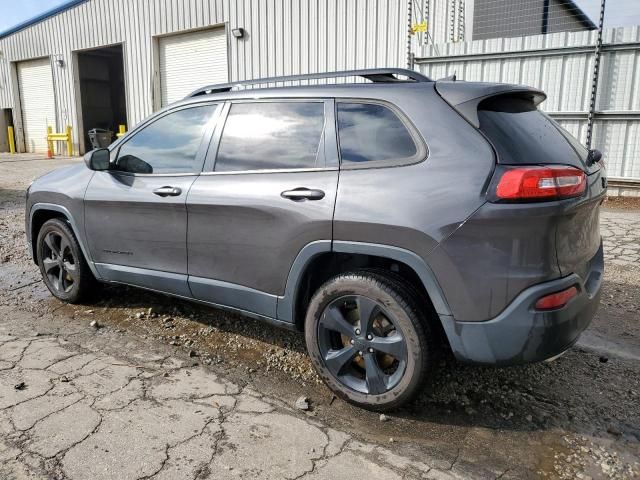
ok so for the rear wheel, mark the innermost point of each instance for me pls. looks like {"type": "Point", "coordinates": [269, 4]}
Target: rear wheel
{"type": "Point", "coordinates": [368, 339]}
{"type": "Point", "coordinates": [62, 265]}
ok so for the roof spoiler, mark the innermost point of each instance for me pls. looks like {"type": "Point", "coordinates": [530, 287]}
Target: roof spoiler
{"type": "Point", "coordinates": [465, 97]}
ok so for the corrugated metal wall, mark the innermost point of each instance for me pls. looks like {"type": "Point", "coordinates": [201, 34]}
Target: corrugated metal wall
{"type": "Point", "coordinates": [561, 64]}
{"type": "Point", "coordinates": [283, 37]}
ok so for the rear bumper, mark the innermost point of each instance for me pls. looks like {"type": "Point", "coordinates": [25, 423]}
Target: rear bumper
{"type": "Point", "coordinates": [521, 334]}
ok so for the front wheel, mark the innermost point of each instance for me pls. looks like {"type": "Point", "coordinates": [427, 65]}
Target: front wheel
{"type": "Point", "coordinates": [62, 265]}
{"type": "Point", "coordinates": [368, 339]}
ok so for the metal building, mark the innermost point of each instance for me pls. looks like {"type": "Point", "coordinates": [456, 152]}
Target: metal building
{"type": "Point", "coordinates": [466, 20]}
{"type": "Point", "coordinates": [518, 18]}
{"type": "Point", "coordinates": [101, 63]}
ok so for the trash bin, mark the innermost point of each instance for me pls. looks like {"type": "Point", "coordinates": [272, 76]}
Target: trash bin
{"type": "Point", "coordinates": [100, 138]}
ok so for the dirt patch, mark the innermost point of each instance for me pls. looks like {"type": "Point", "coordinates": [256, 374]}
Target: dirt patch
{"type": "Point", "coordinates": [622, 203]}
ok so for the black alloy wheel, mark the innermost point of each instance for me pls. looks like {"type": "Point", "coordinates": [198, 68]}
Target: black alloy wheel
{"type": "Point", "coordinates": [62, 265]}
{"type": "Point", "coordinates": [361, 344]}
{"type": "Point", "coordinates": [369, 339]}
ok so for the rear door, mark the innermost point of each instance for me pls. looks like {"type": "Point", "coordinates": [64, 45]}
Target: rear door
{"type": "Point", "coordinates": [268, 190]}
{"type": "Point", "coordinates": [135, 213]}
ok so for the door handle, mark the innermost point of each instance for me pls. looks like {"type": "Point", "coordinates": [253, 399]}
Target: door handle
{"type": "Point", "coordinates": [167, 191]}
{"type": "Point", "coordinates": [300, 194]}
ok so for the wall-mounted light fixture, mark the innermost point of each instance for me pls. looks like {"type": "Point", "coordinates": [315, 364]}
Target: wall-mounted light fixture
{"type": "Point", "coordinates": [60, 62]}
{"type": "Point", "coordinates": [238, 32]}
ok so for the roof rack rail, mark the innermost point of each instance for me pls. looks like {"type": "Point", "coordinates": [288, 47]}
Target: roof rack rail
{"type": "Point", "coordinates": [375, 75]}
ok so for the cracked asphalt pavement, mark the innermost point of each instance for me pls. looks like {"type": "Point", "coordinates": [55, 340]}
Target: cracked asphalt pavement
{"type": "Point", "coordinates": [85, 404]}
{"type": "Point", "coordinates": [166, 389]}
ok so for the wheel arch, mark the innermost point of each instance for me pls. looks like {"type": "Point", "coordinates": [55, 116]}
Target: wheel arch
{"type": "Point", "coordinates": [39, 214]}
{"type": "Point", "coordinates": [319, 261]}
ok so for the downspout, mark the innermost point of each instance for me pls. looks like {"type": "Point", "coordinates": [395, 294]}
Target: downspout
{"type": "Point", "coordinates": [545, 17]}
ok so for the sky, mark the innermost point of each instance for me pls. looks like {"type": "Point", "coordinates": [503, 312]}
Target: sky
{"type": "Point", "coordinates": [619, 12]}
{"type": "Point", "coordinates": [13, 12]}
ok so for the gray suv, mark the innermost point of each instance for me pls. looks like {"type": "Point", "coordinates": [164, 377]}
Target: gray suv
{"type": "Point", "coordinates": [385, 218]}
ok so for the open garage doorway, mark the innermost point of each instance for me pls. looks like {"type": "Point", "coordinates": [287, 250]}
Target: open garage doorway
{"type": "Point", "coordinates": [6, 121]}
{"type": "Point", "coordinates": [102, 91]}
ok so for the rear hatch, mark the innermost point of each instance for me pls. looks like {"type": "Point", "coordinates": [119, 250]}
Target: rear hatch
{"type": "Point", "coordinates": [523, 137]}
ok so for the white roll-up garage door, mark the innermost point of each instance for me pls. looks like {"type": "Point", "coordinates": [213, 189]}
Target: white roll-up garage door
{"type": "Point", "coordinates": [37, 101]}
{"type": "Point", "coordinates": [189, 61]}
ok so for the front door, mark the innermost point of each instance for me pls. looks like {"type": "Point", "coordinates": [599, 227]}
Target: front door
{"type": "Point", "coordinates": [268, 193]}
{"type": "Point", "coordinates": [135, 213]}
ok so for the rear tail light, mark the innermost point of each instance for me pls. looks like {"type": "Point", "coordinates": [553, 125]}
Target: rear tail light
{"type": "Point", "coordinates": [556, 300]}
{"type": "Point", "coordinates": [540, 183]}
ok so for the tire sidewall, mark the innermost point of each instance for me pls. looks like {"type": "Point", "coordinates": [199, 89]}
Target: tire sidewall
{"type": "Point", "coordinates": [60, 228]}
{"type": "Point", "coordinates": [369, 287]}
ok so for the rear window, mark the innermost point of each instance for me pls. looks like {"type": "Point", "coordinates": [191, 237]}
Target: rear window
{"type": "Point", "coordinates": [522, 134]}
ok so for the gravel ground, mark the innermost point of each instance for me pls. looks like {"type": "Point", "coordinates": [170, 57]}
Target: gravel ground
{"type": "Point", "coordinates": [577, 417]}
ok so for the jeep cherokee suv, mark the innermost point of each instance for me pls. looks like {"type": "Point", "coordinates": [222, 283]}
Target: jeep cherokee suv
{"type": "Point", "coordinates": [382, 217]}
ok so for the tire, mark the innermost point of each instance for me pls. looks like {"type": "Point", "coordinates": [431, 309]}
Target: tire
{"type": "Point", "coordinates": [63, 267]}
{"type": "Point", "coordinates": [335, 333]}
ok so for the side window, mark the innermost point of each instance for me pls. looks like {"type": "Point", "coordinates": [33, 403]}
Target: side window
{"type": "Point", "coordinates": [168, 145]}
{"type": "Point", "coordinates": [271, 135]}
{"type": "Point", "coordinates": [370, 132]}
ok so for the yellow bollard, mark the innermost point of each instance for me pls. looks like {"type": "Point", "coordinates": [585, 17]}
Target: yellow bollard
{"type": "Point", "coordinates": [49, 143]}
{"type": "Point", "coordinates": [12, 141]}
{"type": "Point", "coordinates": [69, 142]}
{"type": "Point", "coordinates": [122, 129]}
{"type": "Point", "coordinates": [59, 137]}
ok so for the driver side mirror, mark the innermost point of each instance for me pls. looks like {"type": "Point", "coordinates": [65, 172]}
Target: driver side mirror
{"type": "Point", "coordinates": [98, 159]}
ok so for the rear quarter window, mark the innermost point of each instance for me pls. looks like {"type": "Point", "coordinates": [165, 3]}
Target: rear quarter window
{"type": "Point", "coordinates": [371, 134]}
